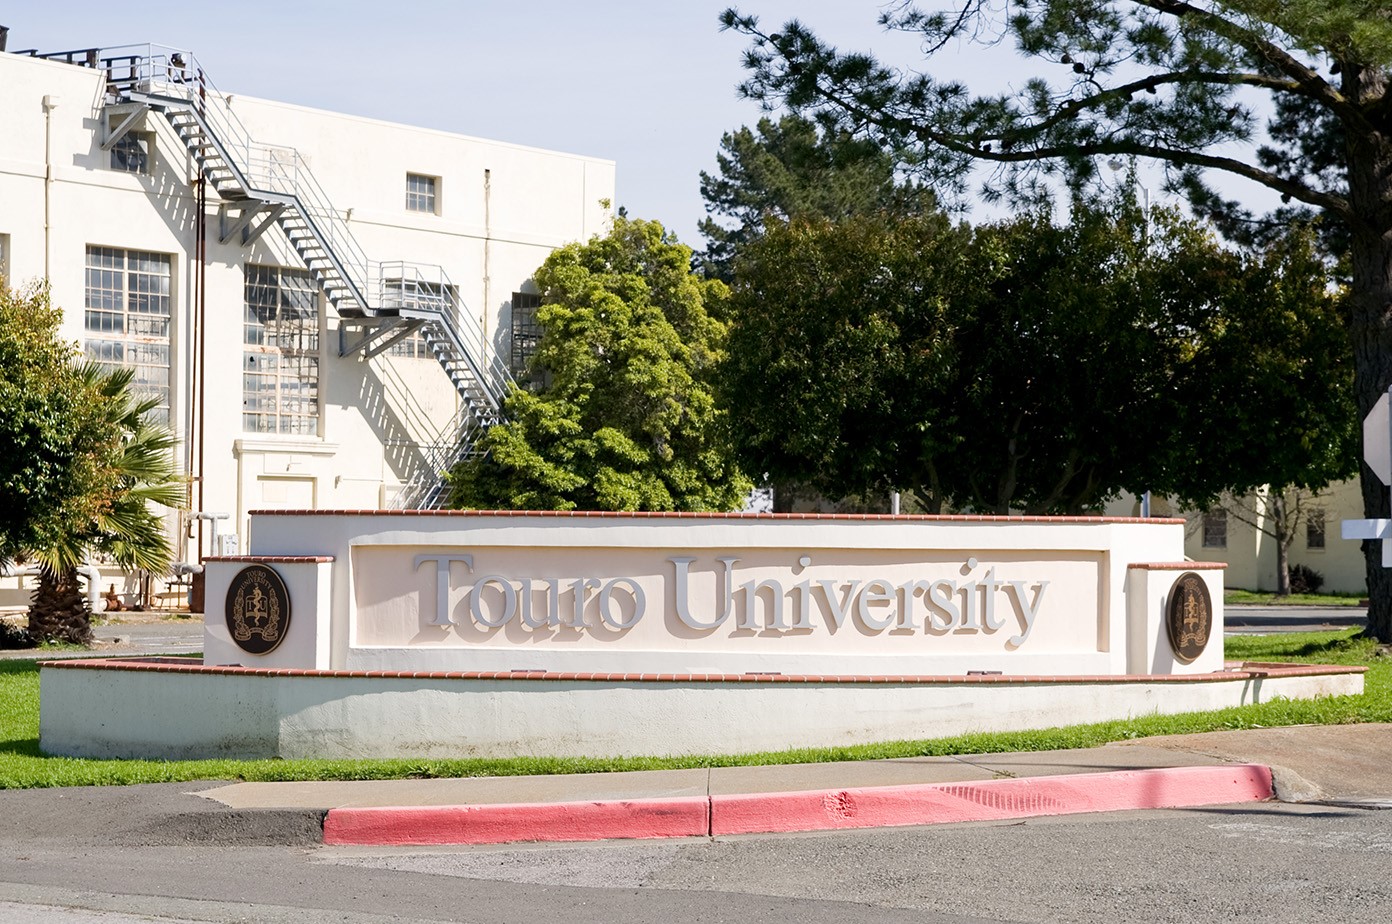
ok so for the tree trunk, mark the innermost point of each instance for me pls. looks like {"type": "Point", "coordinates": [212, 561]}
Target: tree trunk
{"type": "Point", "coordinates": [1371, 330]}
{"type": "Point", "coordinates": [1370, 301]}
{"type": "Point", "coordinates": [1281, 528]}
{"type": "Point", "coordinates": [58, 611]}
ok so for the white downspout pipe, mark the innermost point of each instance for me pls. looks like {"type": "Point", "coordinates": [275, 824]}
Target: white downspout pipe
{"type": "Point", "coordinates": [50, 103]}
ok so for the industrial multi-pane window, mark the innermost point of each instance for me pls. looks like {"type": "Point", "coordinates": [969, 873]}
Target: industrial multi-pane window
{"type": "Point", "coordinates": [526, 332]}
{"type": "Point", "coordinates": [415, 294]}
{"type": "Point", "coordinates": [131, 154]}
{"type": "Point", "coordinates": [126, 322]}
{"type": "Point", "coordinates": [280, 336]}
{"type": "Point", "coordinates": [420, 193]}
{"type": "Point", "coordinates": [1314, 529]}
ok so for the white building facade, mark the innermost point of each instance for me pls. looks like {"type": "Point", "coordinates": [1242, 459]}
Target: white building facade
{"type": "Point", "coordinates": [1242, 534]}
{"type": "Point", "coordinates": [323, 303]}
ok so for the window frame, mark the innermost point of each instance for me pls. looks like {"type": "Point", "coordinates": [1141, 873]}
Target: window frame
{"type": "Point", "coordinates": [1316, 530]}
{"type": "Point", "coordinates": [127, 319]}
{"type": "Point", "coordinates": [402, 293]}
{"type": "Point", "coordinates": [422, 201]}
{"type": "Point", "coordinates": [282, 352]}
{"type": "Point", "coordinates": [1215, 529]}
{"type": "Point", "coordinates": [133, 153]}
{"type": "Point", "coordinates": [524, 331]}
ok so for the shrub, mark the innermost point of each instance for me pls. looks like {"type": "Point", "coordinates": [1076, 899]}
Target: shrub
{"type": "Point", "coordinates": [13, 636]}
{"type": "Point", "coordinates": [1305, 580]}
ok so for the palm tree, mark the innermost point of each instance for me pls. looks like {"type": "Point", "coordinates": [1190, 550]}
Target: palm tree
{"type": "Point", "coordinates": [138, 463]}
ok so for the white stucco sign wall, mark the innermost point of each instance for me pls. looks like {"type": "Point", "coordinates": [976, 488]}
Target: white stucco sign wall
{"type": "Point", "coordinates": [719, 594]}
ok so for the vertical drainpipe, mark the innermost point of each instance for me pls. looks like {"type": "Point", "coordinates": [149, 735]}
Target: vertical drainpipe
{"type": "Point", "coordinates": [202, 308]}
{"type": "Point", "coordinates": [487, 246]}
{"type": "Point", "coordinates": [50, 103]}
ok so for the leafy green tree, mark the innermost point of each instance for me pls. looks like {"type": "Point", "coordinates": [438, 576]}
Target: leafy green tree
{"type": "Point", "coordinates": [1032, 366]}
{"type": "Point", "coordinates": [622, 416]}
{"type": "Point", "coordinates": [139, 470]}
{"type": "Point", "coordinates": [794, 168]}
{"type": "Point", "coordinates": [81, 468]}
{"type": "Point", "coordinates": [51, 426]}
{"type": "Point", "coordinates": [1178, 82]}
{"type": "Point", "coordinates": [839, 350]}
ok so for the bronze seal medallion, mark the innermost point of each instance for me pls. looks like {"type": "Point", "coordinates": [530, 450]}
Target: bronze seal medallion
{"type": "Point", "coordinates": [257, 609]}
{"type": "Point", "coordinates": [1189, 617]}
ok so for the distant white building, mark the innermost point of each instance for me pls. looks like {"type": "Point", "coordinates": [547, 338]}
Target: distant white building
{"type": "Point", "coordinates": [324, 303]}
{"type": "Point", "coordinates": [1242, 535]}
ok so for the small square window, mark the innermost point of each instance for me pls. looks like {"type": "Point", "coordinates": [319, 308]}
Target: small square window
{"type": "Point", "coordinates": [420, 193]}
{"type": "Point", "coordinates": [1215, 529]}
{"type": "Point", "coordinates": [131, 154]}
{"type": "Point", "coordinates": [1314, 529]}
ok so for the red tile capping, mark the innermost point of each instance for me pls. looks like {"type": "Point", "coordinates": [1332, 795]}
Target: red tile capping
{"type": "Point", "coordinates": [1178, 565]}
{"type": "Point", "coordinates": [1232, 671]}
{"type": "Point", "coordinates": [682, 515]}
{"type": "Point", "coordinates": [275, 559]}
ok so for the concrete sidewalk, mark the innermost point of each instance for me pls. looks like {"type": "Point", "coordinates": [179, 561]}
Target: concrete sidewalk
{"type": "Point", "coordinates": [1345, 764]}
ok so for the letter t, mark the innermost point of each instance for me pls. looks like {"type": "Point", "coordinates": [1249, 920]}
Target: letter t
{"type": "Point", "coordinates": [442, 574]}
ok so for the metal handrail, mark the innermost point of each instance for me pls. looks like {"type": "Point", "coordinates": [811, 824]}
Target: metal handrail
{"type": "Point", "coordinates": [426, 288]}
{"type": "Point", "coordinates": [171, 73]}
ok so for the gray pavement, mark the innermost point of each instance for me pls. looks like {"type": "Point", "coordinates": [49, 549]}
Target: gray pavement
{"type": "Point", "coordinates": [668, 784]}
{"type": "Point", "coordinates": [232, 852]}
{"type": "Point", "coordinates": [1250, 619]}
{"type": "Point", "coordinates": [236, 852]}
{"type": "Point", "coordinates": [1339, 763]}
{"type": "Point", "coordinates": [136, 634]}
{"type": "Point", "coordinates": [182, 635]}
{"type": "Point", "coordinates": [1346, 765]}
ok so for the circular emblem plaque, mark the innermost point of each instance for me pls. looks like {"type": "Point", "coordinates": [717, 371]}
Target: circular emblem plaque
{"type": "Point", "coordinates": [257, 609]}
{"type": "Point", "coordinates": [1189, 617]}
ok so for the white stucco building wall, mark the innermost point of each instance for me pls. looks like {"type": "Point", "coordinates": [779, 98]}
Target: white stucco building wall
{"type": "Point", "coordinates": [1250, 552]}
{"type": "Point", "coordinates": [497, 211]}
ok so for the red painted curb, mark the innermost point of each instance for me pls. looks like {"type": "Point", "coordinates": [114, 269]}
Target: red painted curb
{"type": "Point", "coordinates": [497, 824]}
{"type": "Point", "coordinates": [989, 800]}
{"type": "Point", "coordinates": [821, 810]}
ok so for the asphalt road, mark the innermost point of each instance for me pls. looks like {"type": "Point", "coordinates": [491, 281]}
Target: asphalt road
{"type": "Point", "coordinates": [1273, 863]}
{"type": "Point", "coordinates": [1264, 620]}
{"type": "Point", "coordinates": [184, 636]}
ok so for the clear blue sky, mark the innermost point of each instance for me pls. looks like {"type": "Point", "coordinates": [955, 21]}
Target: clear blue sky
{"type": "Point", "coordinates": [650, 85]}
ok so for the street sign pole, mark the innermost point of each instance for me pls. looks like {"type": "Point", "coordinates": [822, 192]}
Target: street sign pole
{"type": "Point", "coordinates": [1377, 452]}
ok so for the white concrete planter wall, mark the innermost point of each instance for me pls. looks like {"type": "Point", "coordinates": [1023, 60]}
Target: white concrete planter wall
{"type": "Point", "coordinates": [99, 709]}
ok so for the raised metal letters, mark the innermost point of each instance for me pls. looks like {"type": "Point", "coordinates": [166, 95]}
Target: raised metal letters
{"type": "Point", "coordinates": [980, 604]}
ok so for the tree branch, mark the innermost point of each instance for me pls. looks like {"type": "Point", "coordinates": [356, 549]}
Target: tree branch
{"type": "Point", "coordinates": [1070, 109]}
{"type": "Point", "coordinates": [1311, 83]}
{"type": "Point", "coordinates": [1293, 188]}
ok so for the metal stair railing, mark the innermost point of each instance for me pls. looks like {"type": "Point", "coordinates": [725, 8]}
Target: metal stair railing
{"type": "Point", "coordinates": [165, 76]}
{"type": "Point", "coordinates": [239, 167]}
{"type": "Point", "coordinates": [425, 291]}
{"type": "Point", "coordinates": [425, 486]}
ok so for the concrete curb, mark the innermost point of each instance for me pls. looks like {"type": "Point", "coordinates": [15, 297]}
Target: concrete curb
{"type": "Point", "coordinates": [820, 810]}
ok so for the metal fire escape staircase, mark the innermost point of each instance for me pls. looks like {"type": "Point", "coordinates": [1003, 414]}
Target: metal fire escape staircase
{"type": "Point", "coordinates": [262, 185]}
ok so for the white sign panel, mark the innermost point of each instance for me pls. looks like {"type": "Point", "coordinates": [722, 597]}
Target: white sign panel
{"type": "Point", "coordinates": [741, 600]}
{"type": "Point", "coordinates": [1377, 440]}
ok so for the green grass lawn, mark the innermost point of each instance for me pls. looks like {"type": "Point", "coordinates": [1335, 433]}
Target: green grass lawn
{"type": "Point", "coordinates": [22, 766]}
{"type": "Point", "coordinates": [1266, 598]}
